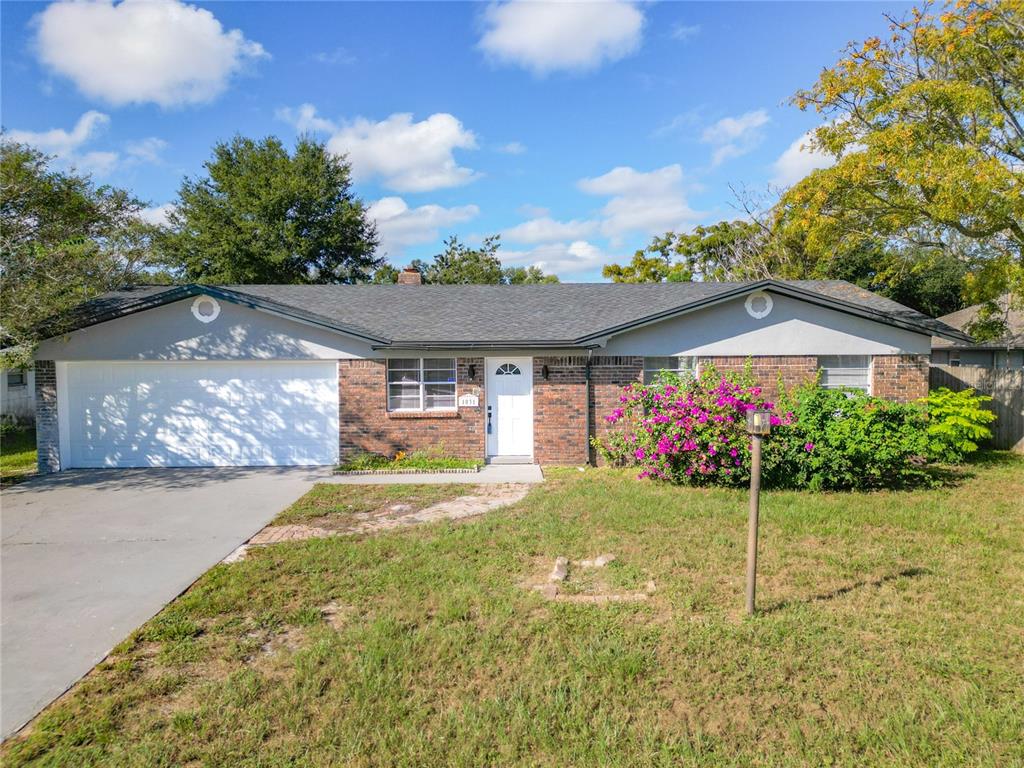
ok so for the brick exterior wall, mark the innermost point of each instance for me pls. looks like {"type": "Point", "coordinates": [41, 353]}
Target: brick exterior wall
{"type": "Point", "coordinates": [794, 369]}
{"type": "Point", "coordinates": [607, 378]}
{"type": "Point", "coordinates": [367, 426]}
{"type": "Point", "coordinates": [560, 410]}
{"type": "Point", "coordinates": [903, 378]}
{"type": "Point", "coordinates": [47, 430]}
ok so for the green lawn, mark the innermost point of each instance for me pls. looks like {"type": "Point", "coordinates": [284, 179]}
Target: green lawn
{"type": "Point", "coordinates": [892, 634]}
{"type": "Point", "coordinates": [17, 455]}
{"type": "Point", "coordinates": [421, 460]}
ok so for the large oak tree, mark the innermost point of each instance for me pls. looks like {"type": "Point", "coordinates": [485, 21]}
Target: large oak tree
{"type": "Point", "coordinates": [63, 240]}
{"type": "Point", "coordinates": [262, 215]}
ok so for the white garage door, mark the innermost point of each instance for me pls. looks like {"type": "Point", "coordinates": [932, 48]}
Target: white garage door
{"type": "Point", "coordinates": [200, 414]}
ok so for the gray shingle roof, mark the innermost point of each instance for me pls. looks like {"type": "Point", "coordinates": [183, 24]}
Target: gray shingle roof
{"type": "Point", "coordinates": [1013, 339]}
{"type": "Point", "coordinates": [549, 314]}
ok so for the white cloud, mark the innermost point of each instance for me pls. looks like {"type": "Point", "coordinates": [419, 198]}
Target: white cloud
{"type": "Point", "coordinates": [798, 160]}
{"type": "Point", "coordinates": [406, 156]}
{"type": "Point", "coordinates": [337, 56]}
{"type": "Point", "coordinates": [146, 150]}
{"type": "Point", "coordinates": [562, 259]}
{"type": "Point", "coordinates": [735, 136]}
{"type": "Point", "coordinates": [646, 202]}
{"type": "Point", "coordinates": [60, 142]}
{"type": "Point", "coordinates": [513, 148]}
{"type": "Point", "coordinates": [546, 37]}
{"type": "Point", "coordinates": [684, 32]}
{"type": "Point", "coordinates": [534, 211]}
{"type": "Point", "coordinates": [66, 145]}
{"type": "Point", "coordinates": [400, 226]}
{"type": "Point", "coordinates": [304, 118]}
{"type": "Point", "coordinates": [138, 51]}
{"type": "Point", "coordinates": [546, 230]}
{"type": "Point", "coordinates": [157, 215]}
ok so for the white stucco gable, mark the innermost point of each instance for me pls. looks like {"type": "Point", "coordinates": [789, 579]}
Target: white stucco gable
{"type": "Point", "coordinates": [792, 327]}
{"type": "Point", "coordinates": [174, 332]}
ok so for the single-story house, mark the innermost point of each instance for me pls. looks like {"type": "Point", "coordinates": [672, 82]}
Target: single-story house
{"type": "Point", "coordinates": [17, 395]}
{"type": "Point", "coordinates": [1004, 352]}
{"type": "Point", "coordinates": [200, 375]}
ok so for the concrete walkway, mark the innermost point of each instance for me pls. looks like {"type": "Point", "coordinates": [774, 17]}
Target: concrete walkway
{"type": "Point", "coordinates": [491, 473]}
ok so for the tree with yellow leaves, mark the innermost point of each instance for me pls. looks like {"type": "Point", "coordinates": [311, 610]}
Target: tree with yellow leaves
{"type": "Point", "coordinates": [927, 131]}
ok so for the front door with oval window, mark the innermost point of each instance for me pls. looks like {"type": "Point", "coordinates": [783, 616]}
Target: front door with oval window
{"type": "Point", "coordinates": [509, 412]}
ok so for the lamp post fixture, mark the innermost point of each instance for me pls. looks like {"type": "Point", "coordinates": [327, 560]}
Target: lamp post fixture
{"type": "Point", "coordinates": [758, 425]}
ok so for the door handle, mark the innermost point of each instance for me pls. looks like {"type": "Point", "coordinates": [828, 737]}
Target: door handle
{"type": "Point", "coordinates": [489, 420]}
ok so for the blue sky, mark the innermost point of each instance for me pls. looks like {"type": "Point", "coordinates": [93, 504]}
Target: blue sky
{"type": "Point", "coordinates": [577, 130]}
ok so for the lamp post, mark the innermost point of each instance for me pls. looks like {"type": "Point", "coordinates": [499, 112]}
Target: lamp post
{"type": "Point", "coordinates": [758, 425]}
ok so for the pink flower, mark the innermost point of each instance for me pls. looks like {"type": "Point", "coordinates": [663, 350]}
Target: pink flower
{"type": "Point", "coordinates": [640, 453]}
{"type": "Point", "coordinates": [808, 447]}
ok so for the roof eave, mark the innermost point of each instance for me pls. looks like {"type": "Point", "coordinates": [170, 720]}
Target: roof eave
{"type": "Point", "coordinates": [484, 345]}
{"type": "Point", "coordinates": [784, 289]}
{"type": "Point", "coordinates": [177, 293]}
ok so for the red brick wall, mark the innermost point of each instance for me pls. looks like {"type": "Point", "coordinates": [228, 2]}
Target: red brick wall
{"type": "Point", "coordinates": [608, 376]}
{"type": "Point", "coordinates": [903, 378]}
{"type": "Point", "coordinates": [366, 425]}
{"type": "Point", "coordinates": [559, 402]}
{"type": "Point", "coordinates": [560, 410]}
{"type": "Point", "coordinates": [795, 369]}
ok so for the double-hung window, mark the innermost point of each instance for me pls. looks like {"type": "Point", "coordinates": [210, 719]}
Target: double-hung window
{"type": "Point", "coordinates": [845, 372]}
{"type": "Point", "coordinates": [421, 384]}
{"type": "Point", "coordinates": [683, 367]}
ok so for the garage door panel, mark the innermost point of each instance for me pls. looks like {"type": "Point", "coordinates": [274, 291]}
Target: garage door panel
{"type": "Point", "coordinates": [202, 414]}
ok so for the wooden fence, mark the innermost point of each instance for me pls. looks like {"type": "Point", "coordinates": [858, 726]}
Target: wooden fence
{"type": "Point", "coordinates": [1006, 387]}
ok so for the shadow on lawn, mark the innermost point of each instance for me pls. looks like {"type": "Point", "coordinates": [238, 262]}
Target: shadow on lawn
{"type": "Point", "coordinates": [906, 573]}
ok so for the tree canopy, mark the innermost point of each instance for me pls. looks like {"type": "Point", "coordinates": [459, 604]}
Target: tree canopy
{"type": "Point", "coordinates": [63, 241]}
{"type": "Point", "coordinates": [460, 264]}
{"type": "Point", "coordinates": [262, 215]}
{"type": "Point", "coordinates": [927, 130]}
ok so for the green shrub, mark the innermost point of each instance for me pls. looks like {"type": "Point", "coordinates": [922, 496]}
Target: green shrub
{"type": "Point", "coordinates": [956, 422]}
{"type": "Point", "coordinates": [846, 440]}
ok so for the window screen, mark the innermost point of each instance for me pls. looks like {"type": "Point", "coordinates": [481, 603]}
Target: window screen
{"type": "Point", "coordinates": [845, 372]}
{"type": "Point", "coordinates": [421, 384]}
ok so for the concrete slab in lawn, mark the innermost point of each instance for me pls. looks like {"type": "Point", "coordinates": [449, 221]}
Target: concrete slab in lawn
{"type": "Point", "coordinates": [491, 473]}
{"type": "Point", "coordinates": [89, 555]}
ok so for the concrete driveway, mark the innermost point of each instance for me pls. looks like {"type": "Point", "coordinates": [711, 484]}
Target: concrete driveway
{"type": "Point", "coordinates": [89, 555]}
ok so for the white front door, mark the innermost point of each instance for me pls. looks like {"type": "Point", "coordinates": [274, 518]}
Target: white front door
{"type": "Point", "coordinates": [509, 406]}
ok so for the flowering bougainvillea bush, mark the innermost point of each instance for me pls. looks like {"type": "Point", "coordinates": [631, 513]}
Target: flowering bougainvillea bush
{"type": "Point", "coordinates": [694, 432]}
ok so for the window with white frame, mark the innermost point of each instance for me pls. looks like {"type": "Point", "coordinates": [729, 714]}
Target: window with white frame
{"type": "Point", "coordinates": [16, 379]}
{"type": "Point", "coordinates": [421, 384]}
{"type": "Point", "coordinates": [845, 372]}
{"type": "Point", "coordinates": [683, 367]}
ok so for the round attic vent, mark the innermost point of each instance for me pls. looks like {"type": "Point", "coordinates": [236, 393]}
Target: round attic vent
{"type": "Point", "coordinates": [758, 304]}
{"type": "Point", "coordinates": [205, 309]}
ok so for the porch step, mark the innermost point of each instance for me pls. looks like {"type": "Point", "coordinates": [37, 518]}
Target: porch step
{"type": "Point", "coordinates": [510, 460]}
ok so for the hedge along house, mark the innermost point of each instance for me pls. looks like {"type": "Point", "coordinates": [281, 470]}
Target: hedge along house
{"type": "Point", "coordinates": [262, 375]}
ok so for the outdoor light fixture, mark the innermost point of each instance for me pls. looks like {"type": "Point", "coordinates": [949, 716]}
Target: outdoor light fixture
{"type": "Point", "coordinates": [545, 372]}
{"type": "Point", "coordinates": [472, 371]}
{"type": "Point", "coordinates": [759, 424]}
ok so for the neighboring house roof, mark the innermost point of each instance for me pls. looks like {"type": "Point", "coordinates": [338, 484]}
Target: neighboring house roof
{"type": "Point", "coordinates": [1014, 338]}
{"type": "Point", "coordinates": [546, 315]}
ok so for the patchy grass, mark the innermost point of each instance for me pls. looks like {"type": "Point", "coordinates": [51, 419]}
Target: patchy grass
{"type": "Point", "coordinates": [331, 504]}
{"type": "Point", "coordinates": [892, 633]}
{"type": "Point", "coordinates": [17, 455]}
{"type": "Point", "coordinates": [425, 460]}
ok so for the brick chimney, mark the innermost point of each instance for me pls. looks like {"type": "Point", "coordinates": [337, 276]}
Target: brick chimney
{"type": "Point", "coordinates": [410, 276]}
